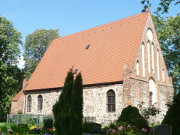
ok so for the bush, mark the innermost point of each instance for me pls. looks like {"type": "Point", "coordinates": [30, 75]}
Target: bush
{"type": "Point", "coordinates": [131, 115]}
{"type": "Point", "coordinates": [48, 123]}
{"type": "Point", "coordinates": [172, 116]}
{"type": "Point", "coordinates": [124, 128]}
{"type": "Point", "coordinates": [90, 127]}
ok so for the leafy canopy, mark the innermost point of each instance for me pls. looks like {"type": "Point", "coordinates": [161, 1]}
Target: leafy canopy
{"type": "Point", "coordinates": [35, 46]}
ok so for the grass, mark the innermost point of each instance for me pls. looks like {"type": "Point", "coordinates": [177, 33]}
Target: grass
{"type": "Point", "coordinates": [155, 124]}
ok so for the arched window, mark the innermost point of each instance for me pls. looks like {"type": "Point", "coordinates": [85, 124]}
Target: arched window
{"type": "Point", "coordinates": [143, 63]}
{"type": "Point", "coordinates": [111, 105]}
{"type": "Point", "coordinates": [158, 64]}
{"type": "Point", "coordinates": [29, 103]}
{"type": "Point", "coordinates": [148, 53]}
{"type": "Point", "coordinates": [137, 67]}
{"type": "Point", "coordinates": [152, 92]}
{"type": "Point", "coordinates": [152, 56]}
{"type": "Point", "coordinates": [150, 98]}
{"type": "Point", "coordinates": [40, 103]}
{"type": "Point", "coordinates": [163, 74]}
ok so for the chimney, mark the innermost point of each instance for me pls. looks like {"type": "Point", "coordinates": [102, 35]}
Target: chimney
{"type": "Point", "coordinates": [25, 82]}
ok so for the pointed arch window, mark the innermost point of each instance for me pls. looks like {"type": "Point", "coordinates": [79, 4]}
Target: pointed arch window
{"type": "Point", "coordinates": [150, 99]}
{"type": "Point", "coordinates": [152, 57]}
{"type": "Point", "coordinates": [148, 53]}
{"type": "Point", "coordinates": [111, 103]}
{"type": "Point", "coordinates": [40, 103]}
{"type": "Point", "coordinates": [143, 63]}
{"type": "Point", "coordinates": [158, 64]}
{"type": "Point", "coordinates": [29, 100]}
{"type": "Point", "coordinates": [137, 67]}
{"type": "Point", "coordinates": [163, 74]}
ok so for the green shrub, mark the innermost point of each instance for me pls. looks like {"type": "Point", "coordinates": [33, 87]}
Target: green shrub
{"type": "Point", "coordinates": [131, 115]}
{"type": "Point", "coordinates": [48, 123]}
{"type": "Point", "coordinates": [172, 116]}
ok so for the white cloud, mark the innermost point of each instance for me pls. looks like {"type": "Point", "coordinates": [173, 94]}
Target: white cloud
{"type": "Point", "coordinates": [21, 62]}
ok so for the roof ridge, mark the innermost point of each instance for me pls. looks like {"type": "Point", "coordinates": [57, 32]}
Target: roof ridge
{"type": "Point", "coordinates": [100, 26]}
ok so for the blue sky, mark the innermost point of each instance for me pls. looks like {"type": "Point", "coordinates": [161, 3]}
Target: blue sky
{"type": "Point", "coordinates": [70, 16]}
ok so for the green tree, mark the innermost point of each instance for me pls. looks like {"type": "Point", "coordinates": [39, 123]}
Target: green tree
{"type": "Point", "coordinates": [62, 107]}
{"type": "Point", "coordinates": [168, 32]}
{"type": "Point", "coordinates": [76, 114]}
{"type": "Point", "coordinates": [163, 5]}
{"type": "Point", "coordinates": [35, 46]}
{"type": "Point", "coordinates": [10, 74]}
{"type": "Point", "coordinates": [10, 39]}
{"type": "Point", "coordinates": [172, 116]}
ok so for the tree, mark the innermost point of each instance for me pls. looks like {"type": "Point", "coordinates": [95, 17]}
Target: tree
{"type": "Point", "coordinates": [172, 116]}
{"type": "Point", "coordinates": [168, 32]}
{"type": "Point", "coordinates": [62, 106]}
{"type": "Point", "coordinates": [10, 39]}
{"type": "Point", "coordinates": [163, 5]}
{"type": "Point", "coordinates": [76, 114]}
{"type": "Point", "coordinates": [10, 74]}
{"type": "Point", "coordinates": [35, 46]}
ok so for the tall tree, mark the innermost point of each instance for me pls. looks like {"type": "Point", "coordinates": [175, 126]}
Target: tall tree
{"type": "Point", "coordinates": [76, 110]}
{"type": "Point", "coordinates": [168, 32]}
{"type": "Point", "coordinates": [62, 106]}
{"type": "Point", "coordinates": [35, 46]}
{"type": "Point", "coordinates": [10, 39]}
{"type": "Point", "coordinates": [10, 75]}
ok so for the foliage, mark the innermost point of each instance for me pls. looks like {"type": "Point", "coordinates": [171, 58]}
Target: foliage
{"type": "Point", "coordinates": [76, 114]}
{"type": "Point", "coordinates": [8, 89]}
{"type": "Point", "coordinates": [172, 116]}
{"type": "Point", "coordinates": [48, 123]}
{"type": "Point", "coordinates": [168, 32]}
{"type": "Point", "coordinates": [131, 115]}
{"type": "Point", "coordinates": [124, 128]}
{"type": "Point", "coordinates": [85, 127]}
{"type": "Point", "coordinates": [10, 74]}
{"type": "Point", "coordinates": [149, 113]}
{"type": "Point", "coordinates": [62, 106]}
{"type": "Point", "coordinates": [68, 109]}
{"type": "Point", "coordinates": [10, 39]}
{"type": "Point", "coordinates": [163, 5]}
{"type": "Point", "coordinates": [35, 46]}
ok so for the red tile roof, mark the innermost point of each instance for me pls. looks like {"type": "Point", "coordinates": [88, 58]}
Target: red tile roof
{"type": "Point", "coordinates": [112, 46]}
{"type": "Point", "coordinates": [16, 98]}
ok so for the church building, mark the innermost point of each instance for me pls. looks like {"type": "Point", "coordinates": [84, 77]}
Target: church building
{"type": "Point", "coordinates": [121, 64]}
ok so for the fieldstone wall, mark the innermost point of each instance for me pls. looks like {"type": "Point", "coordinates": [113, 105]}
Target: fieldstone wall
{"type": "Point", "coordinates": [49, 99]}
{"type": "Point", "coordinates": [95, 103]}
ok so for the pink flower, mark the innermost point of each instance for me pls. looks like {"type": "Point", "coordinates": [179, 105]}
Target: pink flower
{"type": "Point", "coordinates": [144, 130]}
{"type": "Point", "coordinates": [129, 126]}
{"type": "Point", "coordinates": [120, 128]}
{"type": "Point", "coordinates": [113, 130]}
{"type": "Point", "coordinates": [107, 131]}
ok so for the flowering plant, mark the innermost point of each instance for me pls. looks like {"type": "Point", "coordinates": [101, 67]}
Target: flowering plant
{"type": "Point", "coordinates": [124, 128]}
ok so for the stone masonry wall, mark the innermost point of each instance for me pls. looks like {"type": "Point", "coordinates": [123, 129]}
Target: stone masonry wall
{"type": "Point", "coordinates": [95, 102]}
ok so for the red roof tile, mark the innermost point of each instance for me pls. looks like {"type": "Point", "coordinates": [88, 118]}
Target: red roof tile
{"type": "Point", "coordinates": [16, 98]}
{"type": "Point", "coordinates": [111, 47]}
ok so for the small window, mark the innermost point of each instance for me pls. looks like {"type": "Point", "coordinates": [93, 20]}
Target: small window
{"type": "Point", "coordinates": [163, 74]}
{"type": "Point", "coordinates": [150, 99]}
{"type": "Point", "coordinates": [137, 67]}
{"type": "Point", "coordinates": [29, 103]}
{"type": "Point", "coordinates": [111, 101]}
{"type": "Point", "coordinates": [75, 71]}
{"type": "Point", "coordinates": [87, 47]}
{"type": "Point", "coordinates": [40, 103]}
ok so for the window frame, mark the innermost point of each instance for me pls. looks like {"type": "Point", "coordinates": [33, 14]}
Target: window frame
{"type": "Point", "coordinates": [29, 103]}
{"type": "Point", "coordinates": [112, 102]}
{"type": "Point", "coordinates": [40, 103]}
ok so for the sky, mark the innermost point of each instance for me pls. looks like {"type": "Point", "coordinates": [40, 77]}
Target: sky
{"type": "Point", "coordinates": [69, 16]}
